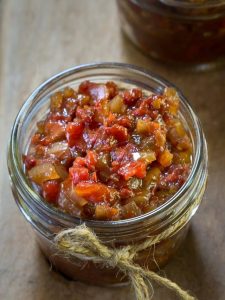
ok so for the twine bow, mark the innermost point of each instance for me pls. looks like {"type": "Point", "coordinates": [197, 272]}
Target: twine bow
{"type": "Point", "coordinates": [82, 243]}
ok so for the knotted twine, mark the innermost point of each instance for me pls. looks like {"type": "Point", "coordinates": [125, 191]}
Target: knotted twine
{"type": "Point", "coordinates": [82, 243]}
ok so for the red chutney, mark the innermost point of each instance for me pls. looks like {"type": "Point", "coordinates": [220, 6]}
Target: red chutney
{"type": "Point", "coordinates": [108, 153]}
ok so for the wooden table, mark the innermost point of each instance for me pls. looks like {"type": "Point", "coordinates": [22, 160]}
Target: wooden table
{"type": "Point", "coordinates": [41, 38]}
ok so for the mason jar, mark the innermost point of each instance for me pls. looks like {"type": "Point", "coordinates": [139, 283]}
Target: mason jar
{"type": "Point", "coordinates": [182, 32]}
{"type": "Point", "coordinates": [46, 221]}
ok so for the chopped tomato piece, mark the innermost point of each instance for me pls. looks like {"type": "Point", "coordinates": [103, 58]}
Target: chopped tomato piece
{"type": "Point", "coordinates": [79, 174]}
{"type": "Point", "coordinates": [73, 131]}
{"type": "Point", "coordinates": [124, 154]}
{"type": "Point", "coordinates": [91, 159]}
{"type": "Point", "coordinates": [50, 190]}
{"type": "Point", "coordinates": [131, 96]}
{"type": "Point", "coordinates": [94, 192]}
{"type": "Point", "coordinates": [79, 162]}
{"type": "Point", "coordinates": [125, 121]}
{"type": "Point", "coordinates": [176, 175]}
{"type": "Point", "coordinates": [119, 132]}
{"type": "Point", "coordinates": [135, 168]}
{"type": "Point", "coordinates": [86, 114]}
{"type": "Point", "coordinates": [95, 90]}
{"type": "Point", "coordinates": [29, 161]}
{"type": "Point", "coordinates": [112, 89]}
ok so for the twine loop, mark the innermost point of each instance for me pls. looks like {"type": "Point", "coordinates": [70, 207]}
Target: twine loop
{"type": "Point", "coordinates": [82, 243]}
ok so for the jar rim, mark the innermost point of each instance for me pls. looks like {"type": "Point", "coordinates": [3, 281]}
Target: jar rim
{"type": "Point", "coordinates": [184, 9]}
{"type": "Point", "coordinates": [193, 4]}
{"type": "Point", "coordinates": [16, 169]}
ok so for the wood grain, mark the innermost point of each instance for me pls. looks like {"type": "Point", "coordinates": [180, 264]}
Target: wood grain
{"type": "Point", "coordinates": [41, 38]}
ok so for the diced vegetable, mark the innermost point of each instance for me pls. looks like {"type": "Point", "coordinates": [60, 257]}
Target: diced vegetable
{"type": "Point", "coordinates": [182, 157]}
{"type": "Point", "coordinates": [68, 92]}
{"type": "Point", "coordinates": [105, 212]}
{"type": "Point", "coordinates": [58, 148]}
{"type": "Point", "coordinates": [61, 170]}
{"type": "Point", "coordinates": [156, 102]}
{"type": "Point", "coordinates": [94, 192]}
{"type": "Point", "coordinates": [116, 105]}
{"type": "Point", "coordinates": [130, 210]}
{"type": "Point", "coordinates": [50, 190]}
{"type": "Point", "coordinates": [91, 160]}
{"type": "Point", "coordinates": [131, 96]}
{"type": "Point", "coordinates": [142, 127]}
{"type": "Point", "coordinates": [151, 177]}
{"type": "Point", "coordinates": [42, 173]}
{"type": "Point", "coordinates": [160, 139]}
{"type": "Point", "coordinates": [165, 158]}
{"type": "Point", "coordinates": [178, 137]}
{"type": "Point", "coordinates": [95, 90]}
{"type": "Point", "coordinates": [73, 132]}
{"type": "Point", "coordinates": [135, 168]}
{"type": "Point", "coordinates": [55, 130]}
{"type": "Point", "coordinates": [148, 157]}
{"type": "Point", "coordinates": [142, 199]}
{"type": "Point", "coordinates": [172, 100]}
{"type": "Point", "coordinates": [29, 161]}
{"type": "Point", "coordinates": [83, 99]}
{"type": "Point", "coordinates": [86, 114]}
{"type": "Point", "coordinates": [134, 183]}
{"type": "Point", "coordinates": [56, 101]}
{"type": "Point", "coordinates": [79, 174]}
{"type": "Point", "coordinates": [112, 89]}
{"type": "Point", "coordinates": [119, 132]}
{"type": "Point", "coordinates": [146, 126]}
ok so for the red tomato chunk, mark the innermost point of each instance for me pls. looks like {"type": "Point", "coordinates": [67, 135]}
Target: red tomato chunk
{"type": "Point", "coordinates": [108, 153]}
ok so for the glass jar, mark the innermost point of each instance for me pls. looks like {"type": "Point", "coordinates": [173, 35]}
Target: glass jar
{"type": "Point", "coordinates": [180, 31]}
{"type": "Point", "coordinates": [48, 221]}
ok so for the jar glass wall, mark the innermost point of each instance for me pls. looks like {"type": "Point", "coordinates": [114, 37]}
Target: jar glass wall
{"type": "Point", "coordinates": [190, 32]}
{"type": "Point", "coordinates": [48, 221]}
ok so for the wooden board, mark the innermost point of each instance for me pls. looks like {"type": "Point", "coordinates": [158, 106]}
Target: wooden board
{"type": "Point", "coordinates": [41, 38]}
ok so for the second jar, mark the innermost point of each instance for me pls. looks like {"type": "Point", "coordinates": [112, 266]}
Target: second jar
{"type": "Point", "coordinates": [191, 32]}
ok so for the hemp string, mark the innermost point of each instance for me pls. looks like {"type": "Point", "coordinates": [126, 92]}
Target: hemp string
{"type": "Point", "coordinates": [82, 243]}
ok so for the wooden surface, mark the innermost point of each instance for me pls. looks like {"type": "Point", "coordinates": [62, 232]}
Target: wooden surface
{"type": "Point", "coordinates": [40, 38]}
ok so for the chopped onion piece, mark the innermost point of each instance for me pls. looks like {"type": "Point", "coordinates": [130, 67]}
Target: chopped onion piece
{"type": "Point", "coordinates": [43, 172]}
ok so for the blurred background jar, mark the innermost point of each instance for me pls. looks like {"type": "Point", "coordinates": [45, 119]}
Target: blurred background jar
{"type": "Point", "coordinates": [181, 31]}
